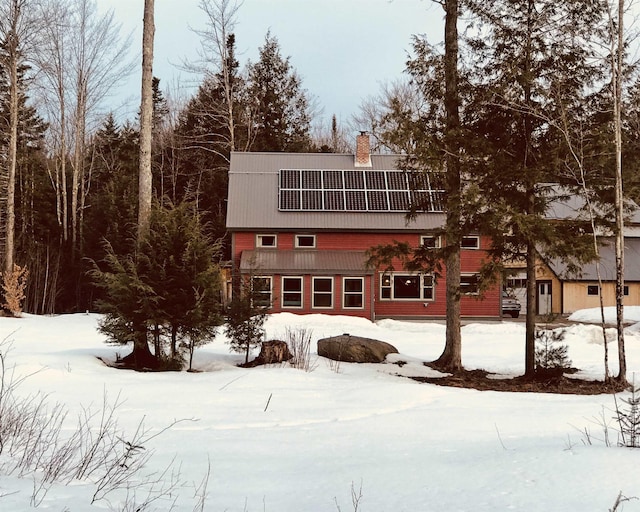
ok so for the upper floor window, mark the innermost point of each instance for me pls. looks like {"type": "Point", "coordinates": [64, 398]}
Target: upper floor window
{"type": "Point", "coordinates": [306, 241]}
{"type": "Point", "coordinates": [266, 240]}
{"type": "Point", "coordinates": [470, 242]}
{"type": "Point", "coordinates": [430, 242]}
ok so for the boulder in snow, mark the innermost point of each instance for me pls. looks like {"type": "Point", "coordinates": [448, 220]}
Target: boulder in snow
{"type": "Point", "coordinates": [354, 349]}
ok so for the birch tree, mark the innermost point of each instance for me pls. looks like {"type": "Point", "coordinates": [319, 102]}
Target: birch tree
{"type": "Point", "coordinates": [99, 61]}
{"type": "Point", "coordinates": [217, 60]}
{"type": "Point", "coordinates": [51, 58]}
{"type": "Point", "coordinates": [616, 22]}
{"type": "Point", "coordinates": [18, 29]}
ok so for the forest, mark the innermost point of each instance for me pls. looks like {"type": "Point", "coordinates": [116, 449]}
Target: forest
{"type": "Point", "coordinates": [522, 94]}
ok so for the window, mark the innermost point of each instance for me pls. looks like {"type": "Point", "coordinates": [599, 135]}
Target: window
{"type": "Point", "coordinates": [353, 293]}
{"type": "Point", "coordinates": [626, 290]}
{"type": "Point", "coordinates": [306, 241]}
{"type": "Point", "coordinates": [292, 292]}
{"type": "Point", "coordinates": [430, 242]}
{"type": "Point", "coordinates": [406, 287]}
{"type": "Point", "coordinates": [261, 289]}
{"type": "Point", "coordinates": [593, 289]}
{"type": "Point", "coordinates": [470, 242]}
{"type": "Point", "coordinates": [322, 292]}
{"type": "Point", "coordinates": [266, 240]}
{"type": "Point", "coordinates": [469, 284]}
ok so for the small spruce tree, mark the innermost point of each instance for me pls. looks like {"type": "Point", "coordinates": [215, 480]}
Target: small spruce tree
{"type": "Point", "coordinates": [246, 314]}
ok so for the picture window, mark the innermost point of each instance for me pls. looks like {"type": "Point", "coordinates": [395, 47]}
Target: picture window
{"type": "Point", "coordinates": [406, 287]}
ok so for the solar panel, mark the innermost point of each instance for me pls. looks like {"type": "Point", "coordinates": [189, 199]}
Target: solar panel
{"type": "Point", "coordinates": [360, 190]}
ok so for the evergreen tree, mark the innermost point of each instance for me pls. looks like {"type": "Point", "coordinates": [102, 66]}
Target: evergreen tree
{"type": "Point", "coordinates": [279, 105]}
{"type": "Point", "coordinates": [172, 287]}
{"type": "Point", "coordinates": [532, 61]}
{"type": "Point", "coordinates": [180, 257]}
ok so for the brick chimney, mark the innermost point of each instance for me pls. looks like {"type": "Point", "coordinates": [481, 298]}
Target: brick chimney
{"type": "Point", "coordinates": [363, 150]}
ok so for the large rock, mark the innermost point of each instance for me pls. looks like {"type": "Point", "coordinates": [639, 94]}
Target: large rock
{"type": "Point", "coordinates": [354, 349]}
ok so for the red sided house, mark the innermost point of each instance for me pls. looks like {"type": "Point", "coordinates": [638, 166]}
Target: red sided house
{"type": "Point", "coordinates": [301, 223]}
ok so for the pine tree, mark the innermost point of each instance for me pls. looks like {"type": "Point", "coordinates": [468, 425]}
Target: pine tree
{"type": "Point", "coordinates": [279, 105]}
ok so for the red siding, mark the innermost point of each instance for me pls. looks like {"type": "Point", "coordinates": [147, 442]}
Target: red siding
{"type": "Point", "coordinates": [470, 261]}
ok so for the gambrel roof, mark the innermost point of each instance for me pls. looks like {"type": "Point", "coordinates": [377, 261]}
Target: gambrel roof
{"type": "Point", "coordinates": [264, 194]}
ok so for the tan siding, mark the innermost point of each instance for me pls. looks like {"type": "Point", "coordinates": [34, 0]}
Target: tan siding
{"type": "Point", "coordinates": [576, 297]}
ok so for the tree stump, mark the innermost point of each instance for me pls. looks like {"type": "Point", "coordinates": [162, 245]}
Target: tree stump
{"type": "Point", "coordinates": [272, 352]}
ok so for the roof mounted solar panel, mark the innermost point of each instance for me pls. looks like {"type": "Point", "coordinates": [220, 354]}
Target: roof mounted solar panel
{"type": "Point", "coordinates": [362, 190]}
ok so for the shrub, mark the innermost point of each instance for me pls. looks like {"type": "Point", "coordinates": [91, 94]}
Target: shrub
{"type": "Point", "coordinates": [13, 285]}
{"type": "Point", "coordinates": [628, 418]}
{"type": "Point", "coordinates": [299, 342]}
{"type": "Point", "coordinates": [550, 352]}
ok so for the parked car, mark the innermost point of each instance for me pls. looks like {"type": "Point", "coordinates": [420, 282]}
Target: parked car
{"type": "Point", "coordinates": [510, 305]}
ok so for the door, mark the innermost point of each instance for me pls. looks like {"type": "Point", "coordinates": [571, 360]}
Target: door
{"type": "Point", "coordinates": [544, 298]}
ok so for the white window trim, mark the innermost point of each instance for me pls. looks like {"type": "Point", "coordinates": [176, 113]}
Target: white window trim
{"type": "Point", "coordinates": [469, 274]}
{"type": "Point", "coordinates": [436, 238]}
{"type": "Point", "coordinates": [259, 240]}
{"type": "Point", "coordinates": [282, 280]}
{"type": "Point", "coordinates": [477, 245]}
{"type": "Point", "coordinates": [313, 292]}
{"type": "Point", "coordinates": [361, 293]}
{"type": "Point", "coordinates": [270, 278]}
{"type": "Point", "coordinates": [421, 285]}
{"type": "Point", "coordinates": [298, 246]}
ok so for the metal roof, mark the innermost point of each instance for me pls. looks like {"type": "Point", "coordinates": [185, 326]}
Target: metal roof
{"type": "Point", "coordinates": [304, 261]}
{"type": "Point", "coordinates": [607, 263]}
{"type": "Point", "coordinates": [253, 196]}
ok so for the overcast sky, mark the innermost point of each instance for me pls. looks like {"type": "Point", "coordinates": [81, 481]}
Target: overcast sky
{"type": "Point", "coordinates": [342, 49]}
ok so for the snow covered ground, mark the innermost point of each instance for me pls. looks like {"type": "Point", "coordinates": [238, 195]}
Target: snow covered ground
{"type": "Point", "coordinates": [278, 439]}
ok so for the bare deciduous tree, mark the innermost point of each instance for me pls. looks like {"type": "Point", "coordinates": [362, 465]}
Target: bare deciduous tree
{"type": "Point", "coordinates": [18, 28]}
{"type": "Point", "coordinates": [80, 57]}
{"type": "Point", "coordinates": [216, 57]}
{"type": "Point", "coordinates": [98, 61]}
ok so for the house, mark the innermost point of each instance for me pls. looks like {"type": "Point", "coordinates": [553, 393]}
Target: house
{"type": "Point", "coordinates": [559, 291]}
{"type": "Point", "coordinates": [301, 224]}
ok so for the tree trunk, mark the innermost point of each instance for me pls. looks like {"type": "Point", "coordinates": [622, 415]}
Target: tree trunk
{"type": "Point", "coordinates": [530, 321]}
{"type": "Point", "coordinates": [77, 180]}
{"type": "Point", "coordinates": [141, 352]}
{"type": "Point", "coordinates": [451, 358]}
{"type": "Point", "coordinates": [146, 121]}
{"type": "Point", "coordinates": [619, 197]}
{"type": "Point", "coordinates": [12, 45]}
